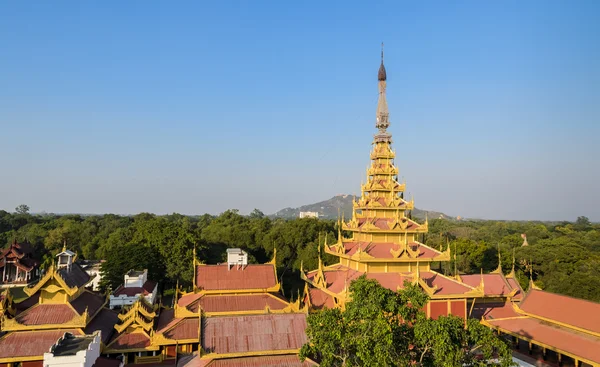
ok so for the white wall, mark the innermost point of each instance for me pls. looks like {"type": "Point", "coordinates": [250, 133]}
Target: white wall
{"type": "Point", "coordinates": [83, 358]}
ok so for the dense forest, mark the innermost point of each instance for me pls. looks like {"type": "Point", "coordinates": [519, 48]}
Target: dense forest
{"type": "Point", "coordinates": [561, 257]}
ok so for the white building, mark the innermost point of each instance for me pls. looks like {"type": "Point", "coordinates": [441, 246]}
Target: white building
{"type": "Point", "coordinates": [309, 214]}
{"type": "Point", "coordinates": [92, 267]}
{"type": "Point", "coordinates": [136, 284]}
{"type": "Point", "coordinates": [74, 351]}
{"type": "Point", "coordinates": [236, 257]}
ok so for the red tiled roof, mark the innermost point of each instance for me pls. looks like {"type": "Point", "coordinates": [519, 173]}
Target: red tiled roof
{"type": "Point", "coordinates": [42, 314]}
{"type": "Point", "coordinates": [136, 340]}
{"type": "Point", "coordinates": [93, 302]}
{"type": "Point", "coordinates": [567, 310]}
{"type": "Point", "coordinates": [567, 340]}
{"type": "Point", "coordinates": [262, 361]}
{"type": "Point", "coordinates": [218, 277]}
{"type": "Point", "coordinates": [166, 320]}
{"type": "Point", "coordinates": [184, 329]}
{"type": "Point", "coordinates": [493, 284]}
{"type": "Point", "coordinates": [491, 312]}
{"type": "Point", "coordinates": [238, 334]}
{"type": "Point", "coordinates": [514, 284]}
{"type": "Point", "coordinates": [320, 299]}
{"type": "Point", "coordinates": [30, 343]}
{"type": "Point", "coordinates": [381, 250]}
{"type": "Point", "coordinates": [104, 321]}
{"type": "Point", "coordinates": [146, 289]}
{"type": "Point", "coordinates": [391, 280]}
{"type": "Point", "coordinates": [242, 302]}
{"type": "Point", "coordinates": [337, 277]}
{"type": "Point", "coordinates": [189, 299]}
{"type": "Point", "coordinates": [446, 286]}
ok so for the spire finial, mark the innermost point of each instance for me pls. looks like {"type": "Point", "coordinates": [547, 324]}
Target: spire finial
{"type": "Point", "coordinates": [382, 52]}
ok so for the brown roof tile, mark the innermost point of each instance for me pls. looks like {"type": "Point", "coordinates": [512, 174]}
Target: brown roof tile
{"type": "Point", "coordinates": [166, 319]}
{"type": "Point", "coordinates": [184, 329]}
{"type": "Point", "coordinates": [135, 340]}
{"type": "Point", "coordinates": [242, 302]}
{"type": "Point", "coordinates": [42, 314]}
{"type": "Point", "coordinates": [567, 310]}
{"type": "Point", "coordinates": [30, 343]}
{"type": "Point", "coordinates": [238, 334]}
{"type": "Point", "coordinates": [262, 361]}
{"type": "Point", "coordinates": [92, 301]}
{"type": "Point", "coordinates": [218, 277]}
{"type": "Point", "coordinates": [104, 321]}
{"type": "Point", "coordinates": [146, 289]}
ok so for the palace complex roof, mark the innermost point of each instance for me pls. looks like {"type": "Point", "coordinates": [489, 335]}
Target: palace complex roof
{"type": "Point", "coordinates": [74, 275]}
{"type": "Point", "coordinates": [385, 250]}
{"type": "Point", "coordinates": [567, 325]}
{"type": "Point", "coordinates": [105, 321]}
{"type": "Point", "coordinates": [259, 361]}
{"type": "Point", "coordinates": [146, 289]}
{"type": "Point", "coordinates": [224, 277]}
{"type": "Point", "coordinates": [232, 303]}
{"type": "Point", "coordinates": [256, 333]}
{"type": "Point", "coordinates": [27, 344]}
{"type": "Point", "coordinates": [20, 255]}
{"type": "Point", "coordinates": [43, 314]}
{"type": "Point", "coordinates": [339, 277]}
{"type": "Point", "coordinates": [495, 284]}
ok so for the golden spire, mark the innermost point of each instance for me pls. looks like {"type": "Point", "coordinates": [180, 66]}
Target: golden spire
{"type": "Point", "coordinates": [481, 284]}
{"type": "Point", "coordinates": [382, 121]}
{"type": "Point", "coordinates": [499, 268]}
{"type": "Point", "coordinates": [64, 245]}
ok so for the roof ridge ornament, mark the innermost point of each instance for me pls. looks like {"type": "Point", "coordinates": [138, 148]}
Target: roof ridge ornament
{"type": "Point", "coordinates": [382, 115]}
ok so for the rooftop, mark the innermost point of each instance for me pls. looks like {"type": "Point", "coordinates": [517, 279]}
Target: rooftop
{"type": "Point", "coordinates": [71, 344]}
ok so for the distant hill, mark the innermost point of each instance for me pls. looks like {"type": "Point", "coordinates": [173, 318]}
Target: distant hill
{"type": "Point", "coordinates": [328, 209]}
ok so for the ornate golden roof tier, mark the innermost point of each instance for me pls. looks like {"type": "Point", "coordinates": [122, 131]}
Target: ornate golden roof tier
{"type": "Point", "coordinates": [381, 202]}
{"type": "Point", "coordinates": [382, 185]}
{"type": "Point", "coordinates": [384, 252]}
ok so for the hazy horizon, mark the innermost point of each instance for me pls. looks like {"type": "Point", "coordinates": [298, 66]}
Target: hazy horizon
{"type": "Point", "coordinates": [201, 107]}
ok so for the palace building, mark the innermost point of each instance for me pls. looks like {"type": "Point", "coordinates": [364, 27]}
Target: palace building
{"type": "Point", "coordinates": [385, 242]}
{"type": "Point", "coordinates": [58, 303]}
{"type": "Point", "coordinates": [17, 265]}
{"type": "Point", "coordinates": [245, 321]}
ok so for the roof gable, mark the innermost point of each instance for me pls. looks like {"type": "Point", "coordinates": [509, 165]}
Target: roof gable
{"type": "Point", "coordinates": [250, 277]}
{"type": "Point", "coordinates": [562, 309]}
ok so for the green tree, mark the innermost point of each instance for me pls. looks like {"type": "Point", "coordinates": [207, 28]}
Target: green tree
{"type": "Point", "coordinates": [22, 209]}
{"type": "Point", "coordinates": [380, 327]}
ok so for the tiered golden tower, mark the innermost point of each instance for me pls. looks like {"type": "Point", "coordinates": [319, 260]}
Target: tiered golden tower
{"type": "Point", "coordinates": [385, 239]}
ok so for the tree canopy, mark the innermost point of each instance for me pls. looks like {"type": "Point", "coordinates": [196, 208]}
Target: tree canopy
{"type": "Point", "coordinates": [379, 327]}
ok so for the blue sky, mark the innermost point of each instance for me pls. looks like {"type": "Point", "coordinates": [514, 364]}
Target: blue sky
{"type": "Point", "coordinates": [194, 107]}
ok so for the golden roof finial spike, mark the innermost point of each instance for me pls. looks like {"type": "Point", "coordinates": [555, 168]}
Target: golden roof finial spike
{"type": "Point", "coordinates": [481, 283]}
{"type": "Point", "coordinates": [64, 245]}
{"type": "Point", "coordinates": [513, 264]}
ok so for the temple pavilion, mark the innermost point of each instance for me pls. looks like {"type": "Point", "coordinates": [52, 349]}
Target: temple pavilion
{"type": "Point", "coordinates": [385, 243]}
{"type": "Point", "coordinates": [244, 319]}
{"type": "Point", "coordinates": [58, 303]}
{"type": "Point", "coordinates": [17, 265]}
